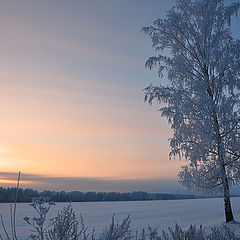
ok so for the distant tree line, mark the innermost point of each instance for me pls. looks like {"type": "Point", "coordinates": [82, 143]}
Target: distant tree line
{"type": "Point", "coordinates": [25, 195]}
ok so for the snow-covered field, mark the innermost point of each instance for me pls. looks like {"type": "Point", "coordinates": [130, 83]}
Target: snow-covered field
{"type": "Point", "coordinates": [143, 213]}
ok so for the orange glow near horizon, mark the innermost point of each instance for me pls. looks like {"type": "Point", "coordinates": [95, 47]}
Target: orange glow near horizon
{"type": "Point", "coordinates": [14, 182]}
{"type": "Point", "coordinates": [79, 140]}
{"type": "Point", "coordinates": [57, 133]}
{"type": "Point", "coordinates": [74, 162]}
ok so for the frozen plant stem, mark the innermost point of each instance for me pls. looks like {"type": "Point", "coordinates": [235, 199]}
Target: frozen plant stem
{"type": "Point", "coordinates": [12, 216]}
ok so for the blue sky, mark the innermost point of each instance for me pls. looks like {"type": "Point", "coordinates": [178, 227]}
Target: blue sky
{"type": "Point", "coordinates": [72, 105]}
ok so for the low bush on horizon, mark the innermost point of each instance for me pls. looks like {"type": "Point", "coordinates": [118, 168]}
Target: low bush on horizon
{"type": "Point", "coordinates": [66, 226]}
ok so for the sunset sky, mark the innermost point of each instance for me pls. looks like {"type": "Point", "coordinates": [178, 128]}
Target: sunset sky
{"type": "Point", "coordinates": [72, 107]}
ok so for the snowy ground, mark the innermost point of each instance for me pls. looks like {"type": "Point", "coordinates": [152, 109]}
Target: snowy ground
{"type": "Point", "coordinates": [143, 213]}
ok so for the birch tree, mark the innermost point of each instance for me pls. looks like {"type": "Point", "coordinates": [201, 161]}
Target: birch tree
{"type": "Point", "coordinates": [196, 52]}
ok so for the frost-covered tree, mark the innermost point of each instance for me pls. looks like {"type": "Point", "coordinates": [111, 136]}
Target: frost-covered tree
{"type": "Point", "coordinates": [201, 59]}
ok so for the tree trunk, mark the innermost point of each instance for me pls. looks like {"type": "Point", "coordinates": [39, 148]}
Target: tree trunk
{"type": "Point", "coordinates": [227, 202]}
{"type": "Point", "coordinates": [226, 192]}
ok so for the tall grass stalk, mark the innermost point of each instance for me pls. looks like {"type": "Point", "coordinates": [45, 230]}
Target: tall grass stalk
{"type": "Point", "coordinates": [13, 210]}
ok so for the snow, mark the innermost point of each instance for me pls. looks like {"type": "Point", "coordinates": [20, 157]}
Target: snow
{"type": "Point", "coordinates": [161, 214]}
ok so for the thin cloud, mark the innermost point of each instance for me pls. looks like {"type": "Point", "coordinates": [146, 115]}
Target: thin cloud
{"type": "Point", "coordinates": [42, 182]}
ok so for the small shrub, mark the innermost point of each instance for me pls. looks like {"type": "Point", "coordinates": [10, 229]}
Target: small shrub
{"type": "Point", "coordinates": [117, 231]}
{"type": "Point", "coordinates": [42, 206]}
{"type": "Point", "coordinates": [66, 226]}
{"type": "Point", "coordinates": [222, 233]}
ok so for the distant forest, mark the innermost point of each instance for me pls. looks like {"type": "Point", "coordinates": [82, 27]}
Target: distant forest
{"type": "Point", "coordinates": [25, 195]}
